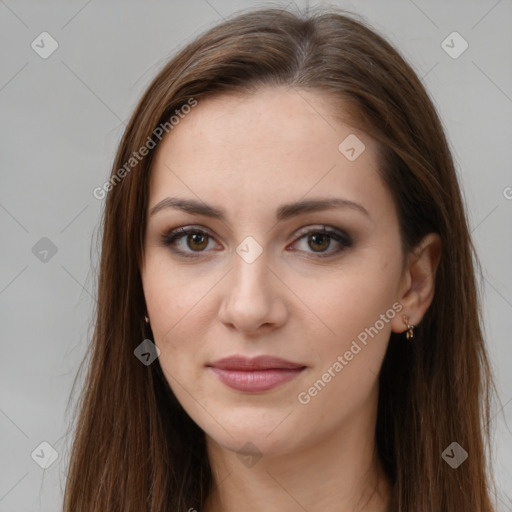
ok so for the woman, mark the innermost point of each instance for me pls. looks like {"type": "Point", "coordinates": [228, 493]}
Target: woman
{"type": "Point", "coordinates": [287, 314]}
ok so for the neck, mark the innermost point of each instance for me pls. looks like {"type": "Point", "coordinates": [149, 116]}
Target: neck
{"type": "Point", "coordinates": [340, 472]}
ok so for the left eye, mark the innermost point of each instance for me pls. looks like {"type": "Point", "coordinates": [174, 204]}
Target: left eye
{"type": "Point", "coordinates": [322, 239]}
{"type": "Point", "coordinates": [197, 240]}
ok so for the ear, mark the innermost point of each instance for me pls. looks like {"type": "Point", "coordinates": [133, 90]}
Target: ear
{"type": "Point", "coordinates": [418, 283]}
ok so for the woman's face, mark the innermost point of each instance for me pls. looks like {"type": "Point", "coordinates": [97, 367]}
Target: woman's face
{"type": "Point", "coordinates": [264, 278]}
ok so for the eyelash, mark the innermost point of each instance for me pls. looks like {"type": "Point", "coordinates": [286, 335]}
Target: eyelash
{"type": "Point", "coordinates": [170, 238]}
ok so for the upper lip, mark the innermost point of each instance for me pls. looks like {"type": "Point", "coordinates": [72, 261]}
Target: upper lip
{"type": "Point", "coordinates": [254, 363]}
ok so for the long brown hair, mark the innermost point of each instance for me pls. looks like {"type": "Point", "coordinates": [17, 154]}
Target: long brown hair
{"type": "Point", "coordinates": [135, 448]}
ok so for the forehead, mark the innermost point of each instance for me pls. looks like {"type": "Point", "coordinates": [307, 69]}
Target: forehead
{"type": "Point", "coordinates": [275, 145]}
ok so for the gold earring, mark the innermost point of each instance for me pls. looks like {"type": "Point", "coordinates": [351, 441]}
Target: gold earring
{"type": "Point", "coordinates": [147, 319]}
{"type": "Point", "coordinates": [410, 331]}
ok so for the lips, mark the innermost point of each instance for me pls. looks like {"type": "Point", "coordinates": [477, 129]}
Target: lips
{"type": "Point", "coordinates": [256, 374]}
{"type": "Point", "coordinates": [255, 363]}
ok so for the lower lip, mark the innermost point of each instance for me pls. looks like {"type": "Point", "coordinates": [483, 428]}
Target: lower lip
{"type": "Point", "coordinates": [256, 380]}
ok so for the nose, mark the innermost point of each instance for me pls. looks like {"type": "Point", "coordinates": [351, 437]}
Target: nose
{"type": "Point", "coordinates": [254, 297]}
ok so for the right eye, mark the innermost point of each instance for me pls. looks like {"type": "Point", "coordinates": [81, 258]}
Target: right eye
{"type": "Point", "coordinates": [181, 239]}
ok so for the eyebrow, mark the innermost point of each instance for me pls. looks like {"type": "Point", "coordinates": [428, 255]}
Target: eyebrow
{"type": "Point", "coordinates": [284, 212]}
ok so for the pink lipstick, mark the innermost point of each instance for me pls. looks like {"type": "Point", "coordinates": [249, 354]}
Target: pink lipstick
{"type": "Point", "coordinates": [256, 374]}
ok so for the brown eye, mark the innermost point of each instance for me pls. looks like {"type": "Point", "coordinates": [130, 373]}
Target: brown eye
{"type": "Point", "coordinates": [191, 242]}
{"type": "Point", "coordinates": [319, 241]}
{"type": "Point", "coordinates": [197, 241]}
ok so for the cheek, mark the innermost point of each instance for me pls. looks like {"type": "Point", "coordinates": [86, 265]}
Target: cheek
{"type": "Point", "coordinates": [174, 298]}
{"type": "Point", "coordinates": [179, 307]}
{"type": "Point", "coordinates": [354, 313]}
{"type": "Point", "coordinates": [344, 303]}
{"type": "Point", "coordinates": [349, 360]}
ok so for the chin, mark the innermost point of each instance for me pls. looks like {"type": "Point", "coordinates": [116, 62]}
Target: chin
{"type": "Point", "coordinates": [268, 426]}
{"type": "Point", "coordinates": [246, 439]}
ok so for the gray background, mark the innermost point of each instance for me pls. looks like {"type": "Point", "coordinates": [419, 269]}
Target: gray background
{"type": "Point", "coordinates": [62, 118]}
